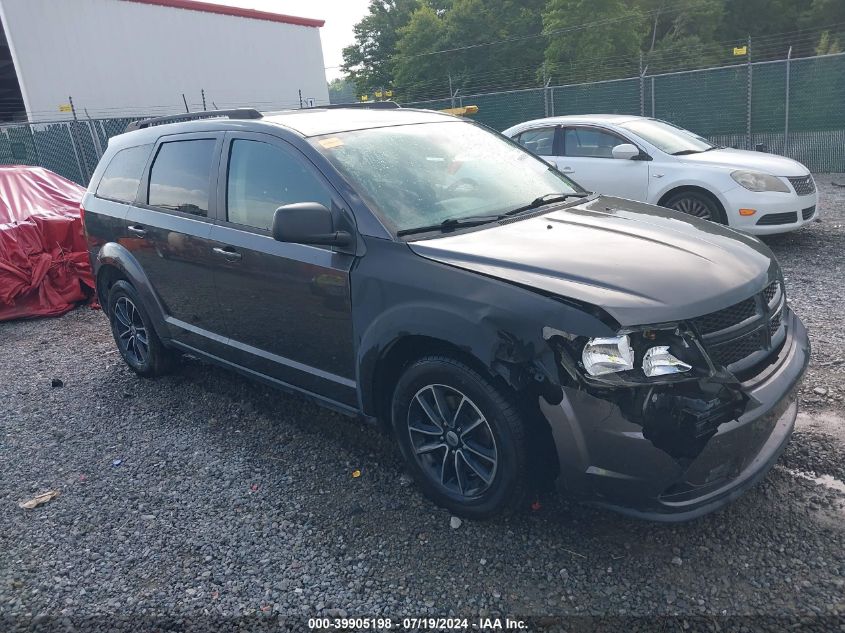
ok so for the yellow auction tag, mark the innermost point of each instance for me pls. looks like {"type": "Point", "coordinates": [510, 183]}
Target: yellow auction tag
{"type": "Point", "coordinates": [330, 143]}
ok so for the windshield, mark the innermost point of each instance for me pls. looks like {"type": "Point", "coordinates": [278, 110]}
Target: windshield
{"type": "Point", "coordinates": [425, 174]}
{"type": "Point", "coordinates": [667, 137]}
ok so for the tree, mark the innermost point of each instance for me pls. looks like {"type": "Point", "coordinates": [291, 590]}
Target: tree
{"type": "Point", "coordinates": [683, 36]}
{"type": "Point", "coordinates": [416, 72]}
{"type": "Point", "coordinates": [367, 61]}
{"type": "Point", "coordinates": [592, 39]}
{"type": "Point", "coordinates": [342, 90]}
{"type": "Point", "coordinates": [496, 42]}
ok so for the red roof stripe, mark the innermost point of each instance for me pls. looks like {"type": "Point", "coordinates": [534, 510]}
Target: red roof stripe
{"type": "Point", "coordinates": [207, 7]}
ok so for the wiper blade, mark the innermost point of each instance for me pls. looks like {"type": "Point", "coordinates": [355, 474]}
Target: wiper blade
{"type": "Point", "coordinates": [451, 223]}
{"type": "Point", "coordinates": [549, 198]}
{"type": "Point", "coordinates": [477, 220]}
{"type": "Point", "coordinates": [684, 152]}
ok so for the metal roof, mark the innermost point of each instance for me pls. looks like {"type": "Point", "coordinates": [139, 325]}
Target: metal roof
{"type": "Point", "coordinates": [208, 7]}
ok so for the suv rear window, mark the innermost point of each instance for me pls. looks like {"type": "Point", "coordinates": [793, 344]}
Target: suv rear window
{"type": "Point", "coordinates": [179, 177]}
{"type": "Point", "coordinates": [123, 175]}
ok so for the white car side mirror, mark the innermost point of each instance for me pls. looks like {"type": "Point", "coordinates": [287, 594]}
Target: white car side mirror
{"type": "Point", "coordinates": [626, 151]}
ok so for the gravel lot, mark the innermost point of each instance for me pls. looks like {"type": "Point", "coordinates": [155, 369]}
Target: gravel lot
{"type": "Point", "coordinates": [203, 494]}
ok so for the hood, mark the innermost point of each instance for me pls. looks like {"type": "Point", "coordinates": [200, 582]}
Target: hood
{"type": "Point", "coordinates": [642, 264]}
{"type": "Point", "coordinates": [753, 161]}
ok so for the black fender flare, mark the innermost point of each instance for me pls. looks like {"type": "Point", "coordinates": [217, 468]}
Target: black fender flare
{"type": "Point", "coordinates": [488, 340]}
{"type": "Point", "coordinates": [117, 256]}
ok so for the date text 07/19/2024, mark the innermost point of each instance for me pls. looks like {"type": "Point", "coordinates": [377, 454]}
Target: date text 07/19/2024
{"type": "Point", "coordinates": [418, 624]}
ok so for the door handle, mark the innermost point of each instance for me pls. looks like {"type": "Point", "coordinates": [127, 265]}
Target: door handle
{"type": "Point", "coordinates": [232, 256]}
{"type": "Point", "coordinates": [137, 230]}
{"type": "Point", "coordinates": [567, 170]}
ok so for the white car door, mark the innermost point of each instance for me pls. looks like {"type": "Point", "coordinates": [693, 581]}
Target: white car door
{"type": "Point", "coordinates": [587, 158]}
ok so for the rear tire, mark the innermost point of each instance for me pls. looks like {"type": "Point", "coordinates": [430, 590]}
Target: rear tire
{"type": "Point", "coordinates": [463, 438]}
{"type": "Point", "coordinates": [134, 335]}
{"type": "Point", "coordinates": [697, 204]}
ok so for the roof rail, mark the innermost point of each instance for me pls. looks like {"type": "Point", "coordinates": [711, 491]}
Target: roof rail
{"type": "Point", "coordinates": [367, 105]}
{"type": "Point", "coordinates": [240, 113]}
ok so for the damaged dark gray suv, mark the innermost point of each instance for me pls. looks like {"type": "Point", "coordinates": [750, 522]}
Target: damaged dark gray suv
{"type": "Point", "coordinates": [412, 268]}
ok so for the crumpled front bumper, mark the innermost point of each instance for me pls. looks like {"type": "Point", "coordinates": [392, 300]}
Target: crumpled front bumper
{"type": "Point", "coordinates": [605, 459]}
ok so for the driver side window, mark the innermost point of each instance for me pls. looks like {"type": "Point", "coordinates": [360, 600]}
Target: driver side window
{"type": "Point", "coordinates": [590, 142]}
{"type": "Point", "coordinates": [263, 177]}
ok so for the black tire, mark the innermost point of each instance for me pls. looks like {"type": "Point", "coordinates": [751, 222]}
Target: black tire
{"type": "Point", "coordinates": [134, 335]}
{"type": "Point", "coordinates": [485, 489]}
{"type": "Point", "coordinates": [697, 204]}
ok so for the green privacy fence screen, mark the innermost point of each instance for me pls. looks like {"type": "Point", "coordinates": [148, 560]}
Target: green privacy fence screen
{"type": "Point", "coordinates": [739, 106]}
{"type": "Point", "coordinates": [790, 107]}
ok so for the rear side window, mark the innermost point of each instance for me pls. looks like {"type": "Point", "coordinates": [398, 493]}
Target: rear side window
{"type": "Point", "coordinates": [262, 178]}
{"type": "Point", "coordinates": [123, 175]}
{"type": "Point", "coordinates": [180, 175]}
{"type": "Point", "coordinates": [540, 141]}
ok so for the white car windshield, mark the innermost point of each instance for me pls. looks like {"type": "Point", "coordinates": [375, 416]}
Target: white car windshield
{"type": "Point", "coordinates": [668, 138]}
{"type": "Point", "coordinates": [425, 174]}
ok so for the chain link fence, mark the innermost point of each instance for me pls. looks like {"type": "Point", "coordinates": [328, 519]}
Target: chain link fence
{"type": "Point", "coordinates": [789, 107]}
{"type": "Point", "coordinates": [70, 148]}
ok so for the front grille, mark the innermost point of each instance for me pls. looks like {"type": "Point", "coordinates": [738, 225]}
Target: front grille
{"type": "Point", "coordinates": [770, 291]}
{"type": "Point", "coordinates": [774, 323]}
{"type": "Point", "coordinates": [808, 212]}
{"type": "Point", "coordinates": [736, 349]}
{"type": "Point", "coordinates": [803, 185]}
{"type": "Point", "coordinates": [737, 333]}
{"type": "Point", "coordinates": [790, 217]}
{"type": "Point", "coordinates": [726, 318]}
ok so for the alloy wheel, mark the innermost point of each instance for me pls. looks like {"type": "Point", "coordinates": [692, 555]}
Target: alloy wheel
{"type": "Point", "coordinates": [132, 333]}
{"type": "Point", "coordinates": [693, 206]}
{"type": "Point", "coordinates": [452, 441]}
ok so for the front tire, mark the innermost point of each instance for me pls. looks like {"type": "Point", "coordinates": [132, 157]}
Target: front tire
{"type": "Point", "coordinates": [462, 438]}
{"type": "Point", "coordinates": [697, 204]}
{"type": "Point", "coordinates": [133, 332]}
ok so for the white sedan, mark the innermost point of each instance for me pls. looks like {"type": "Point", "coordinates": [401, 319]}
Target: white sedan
{"type": "Point", "coordinates": [656, 162]}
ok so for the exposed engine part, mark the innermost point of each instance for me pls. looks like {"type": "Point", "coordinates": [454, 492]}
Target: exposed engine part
{"type": "Point", "coordinates": [681, 420]}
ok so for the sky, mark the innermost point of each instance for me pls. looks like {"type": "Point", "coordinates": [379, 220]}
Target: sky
{"type": "Point", "coordinates": [340, 17]}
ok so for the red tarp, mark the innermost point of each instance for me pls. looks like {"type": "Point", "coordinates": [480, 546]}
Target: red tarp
{"type": "Point", "coordinates": [44, 268]}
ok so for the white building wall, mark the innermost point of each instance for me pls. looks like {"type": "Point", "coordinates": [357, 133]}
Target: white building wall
{"type": "Point", "coordinates": [120, 58]}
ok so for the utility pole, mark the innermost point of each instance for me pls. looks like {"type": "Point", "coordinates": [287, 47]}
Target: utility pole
{"type": "Point", "coordinates": [548, 106]}
{"type": "Point", "coordinates": [77, 146]}
{"type": "Point", "coordinates": [642, 86]}
{"type": "Point", "coordinates": [748, 142]}
{"type": "Point", "coordinates": [786, 105]}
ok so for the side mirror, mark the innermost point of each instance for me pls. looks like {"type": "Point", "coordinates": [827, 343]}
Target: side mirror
{"type": "Point", "coordinates": [626, 151]}
{"type": "Point", "coordinates": [307, 223]}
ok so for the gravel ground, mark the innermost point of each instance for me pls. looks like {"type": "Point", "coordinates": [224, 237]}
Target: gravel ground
{"type": "Point", "coordinates": [203, 495]}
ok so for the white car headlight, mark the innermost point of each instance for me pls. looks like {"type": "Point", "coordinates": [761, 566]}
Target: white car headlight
{"type": "Point", "coordinates": [659, 362]}
{"type": "Point", "coordinates": [756, 181]}
{"type": "Point", "coordinates": [608, 355]}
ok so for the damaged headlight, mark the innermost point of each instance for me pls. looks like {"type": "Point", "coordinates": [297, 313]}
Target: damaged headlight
{"type": "Point", "coordinates": [608, 355]}
{"type": "Point", "coordinates": [655, 354]}
{"type": "Point", "coordinates": [657, 361]}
